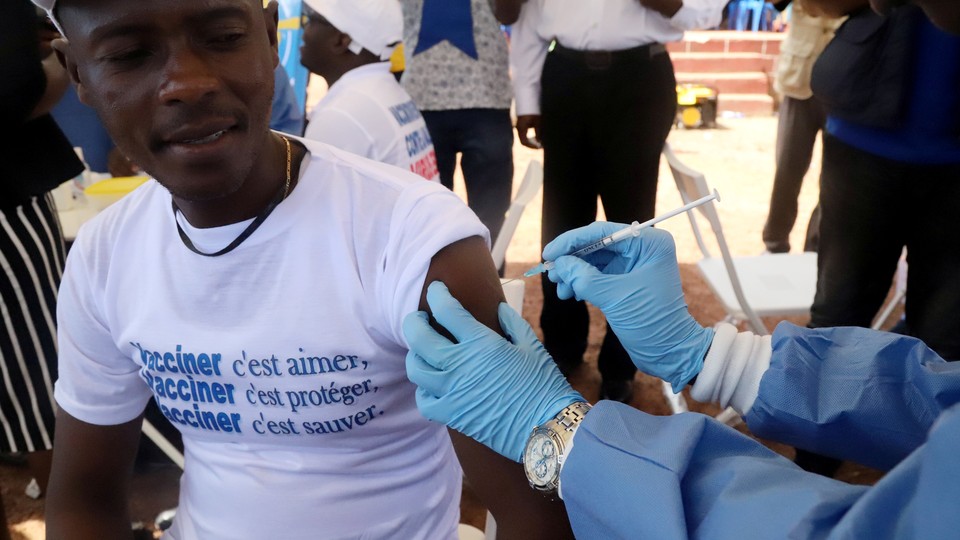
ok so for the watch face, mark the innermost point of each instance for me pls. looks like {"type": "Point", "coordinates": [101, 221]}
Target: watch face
{"type": "Point", "coordinates": [540, 460]}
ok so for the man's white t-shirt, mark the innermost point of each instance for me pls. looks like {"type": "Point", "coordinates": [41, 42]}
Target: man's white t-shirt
{"type": "Point", "coordinates": [281, 362]}
{"type": "Point", "coordinates": [368, 113]}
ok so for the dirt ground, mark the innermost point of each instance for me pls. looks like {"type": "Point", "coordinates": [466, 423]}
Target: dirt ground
{"type": "Point", "coordinates": [738, 161]}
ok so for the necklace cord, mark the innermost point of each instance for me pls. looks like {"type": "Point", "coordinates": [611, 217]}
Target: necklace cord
{"type": "Point", "coordinates": [261, 217]}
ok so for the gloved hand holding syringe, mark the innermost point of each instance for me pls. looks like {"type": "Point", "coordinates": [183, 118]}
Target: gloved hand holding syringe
{"type": "Point", "coordinates": [627, 232]}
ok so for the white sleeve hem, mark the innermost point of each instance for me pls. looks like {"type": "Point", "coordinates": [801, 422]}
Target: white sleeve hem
{"type": "Point", "coordinates": [106, 414]}
{"type": "Point", "coordinates": [528, 100]}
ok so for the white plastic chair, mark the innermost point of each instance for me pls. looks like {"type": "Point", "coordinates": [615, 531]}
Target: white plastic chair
{"type": "Point", "coordinates": [529, 186]}
{"type": "Point", "coordinates": [748, 288]}
{"type": "Point", "coordinates": [469, 532]}
{"type": "Point", "coordinates": [162, 443]}
{"type": "Point", "coordinates": [899, 293]}
{"type": "Point", "coordinates": [778, 284]}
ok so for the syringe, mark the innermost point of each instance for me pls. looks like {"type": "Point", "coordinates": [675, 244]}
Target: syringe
{"type": "Point", "coordinates": [627, 232]}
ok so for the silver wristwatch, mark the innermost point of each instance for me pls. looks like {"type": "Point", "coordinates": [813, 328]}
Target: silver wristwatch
{"type": "Point", "coordinates": [548, 445]}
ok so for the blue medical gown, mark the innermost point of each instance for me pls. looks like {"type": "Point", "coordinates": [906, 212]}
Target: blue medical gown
{"type": "Point", "coordinates": [876, 398]}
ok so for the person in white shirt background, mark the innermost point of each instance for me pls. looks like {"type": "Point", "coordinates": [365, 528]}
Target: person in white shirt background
{"type": "Point", "coordinates": [365, 111]}
{"type": "Point", "coordinates": [457, 71]}
{"type": "Point", "coordinates": [601, 103]}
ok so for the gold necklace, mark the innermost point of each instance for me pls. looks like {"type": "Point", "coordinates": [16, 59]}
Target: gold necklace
{"type": "Point", "coordinates": [280, 196]}
{"type": "Point", "coordinates": [286, 183]}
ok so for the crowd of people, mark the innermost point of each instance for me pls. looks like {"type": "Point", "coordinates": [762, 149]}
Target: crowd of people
{"type": "Point", "coordinates": [315, 311]}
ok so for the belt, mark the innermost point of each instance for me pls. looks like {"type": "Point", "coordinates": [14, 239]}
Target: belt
{"type": "Point", "coordinates": [599, 60]}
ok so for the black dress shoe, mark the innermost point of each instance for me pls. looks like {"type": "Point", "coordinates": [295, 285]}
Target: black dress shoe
{"type": "Point", "coordinates": [621, 391]}
{"type": "Point", "coordinates": [13, 459]}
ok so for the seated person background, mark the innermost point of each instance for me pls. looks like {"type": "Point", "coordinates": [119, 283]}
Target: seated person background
{"type": "Point", "coordinates": [33, 161]}
{"type": "Point", "coordinates": [365, 111]}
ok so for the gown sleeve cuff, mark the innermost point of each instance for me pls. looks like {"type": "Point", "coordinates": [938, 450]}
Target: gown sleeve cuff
{"type": "Point", "coordinates": [733, 368]}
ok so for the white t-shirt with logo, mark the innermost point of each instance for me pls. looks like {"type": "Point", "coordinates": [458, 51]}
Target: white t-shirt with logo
{"type": "Point", "coordinates": [368, 113]}
{"type": "Point", "coordinates": [281, 362]}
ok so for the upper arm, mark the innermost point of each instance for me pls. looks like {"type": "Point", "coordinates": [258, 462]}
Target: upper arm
{"type": "Point", "coordinates": [636, 475]}
{"type": "Point", "coordinates": [467, 270]}
{"type": "Point", "coordinates": [89, 485]}
{"type": "Point", "coordinates": [843, 418]}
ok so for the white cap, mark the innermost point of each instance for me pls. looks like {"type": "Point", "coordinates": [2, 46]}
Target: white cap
{"type": "Point", "coordinates": [47, 5]}
{"type": "Point", "coordinates": [375, 25]}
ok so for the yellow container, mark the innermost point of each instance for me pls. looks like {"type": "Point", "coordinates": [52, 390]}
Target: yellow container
{"type": "Point", "coordinates": [696, 105]}
{"type": "Point", "coordinates": [106, 192]}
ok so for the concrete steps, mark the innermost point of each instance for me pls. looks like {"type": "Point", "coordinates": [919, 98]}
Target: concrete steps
{"type": "Point", "coordinates": [719, 62]}
{"type": "Point", "coordinates": [739, 64]}
{"type": "Point", "coordinates": [726, 41]}
{"type": "Point", "coordinates": [747, 104]}
{"type": "Point", "coordinates": [743, 82]}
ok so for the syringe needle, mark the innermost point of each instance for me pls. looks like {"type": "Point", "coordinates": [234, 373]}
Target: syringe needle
{"type": "Point", "coordinates": [635, 229]}
{"type": "Point", "coordinates": [687, 207]}
{"type": "Point", "coordinates": [538, 269]}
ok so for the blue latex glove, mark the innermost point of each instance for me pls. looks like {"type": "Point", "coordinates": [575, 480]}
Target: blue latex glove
{"type": "Point", "coordinates": [483, 386]}
{"type": "Point", "coordinates": [636, 283]}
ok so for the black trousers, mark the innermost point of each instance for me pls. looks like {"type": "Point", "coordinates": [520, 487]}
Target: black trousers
{"type": "Point", "coordinates": [603, 127]}
{"type": "Point", "coordinates": [484, 138]}
{"type": "Point", "coordinates": [800, 121]}
{"type": "Point", "coordinates": [871, 208]}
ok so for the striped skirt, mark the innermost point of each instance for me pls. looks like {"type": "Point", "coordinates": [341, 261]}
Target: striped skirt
{"type": "Point", "coordinates": [31, 263]}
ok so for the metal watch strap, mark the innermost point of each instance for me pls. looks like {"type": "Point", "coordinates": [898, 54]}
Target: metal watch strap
{"type": "Point", "coordinates": [571, 415]}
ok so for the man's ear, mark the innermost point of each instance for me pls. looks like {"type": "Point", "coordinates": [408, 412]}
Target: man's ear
{"type": "Point", "coordinates": [61, 48]}
{"type": "Point", "coordinates": [343, 42]}
{"type": "Point", "coordinates": [271, 18]}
